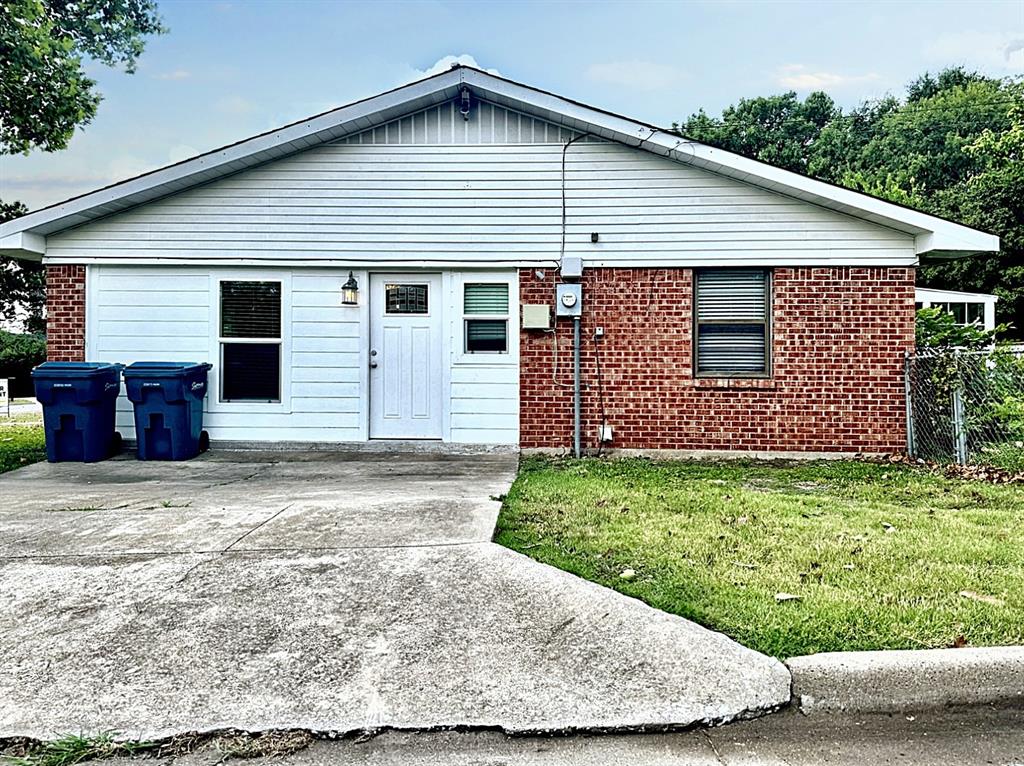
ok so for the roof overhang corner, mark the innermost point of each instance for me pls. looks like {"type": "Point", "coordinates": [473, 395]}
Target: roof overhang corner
{"type": "Point", "coordinates": [23, 245]}
{"type": "Point", "coordinates": [955, 242]}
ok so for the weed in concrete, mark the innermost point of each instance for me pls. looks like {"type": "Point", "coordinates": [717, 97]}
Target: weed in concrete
{"type": "Point", "coordinates": [76, 748]}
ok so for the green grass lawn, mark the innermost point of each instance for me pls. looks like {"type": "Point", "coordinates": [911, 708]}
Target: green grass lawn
{"type": "Point", "coordinates": [879, 556]}
{"type": "Point", "coordinates": [20, 445]}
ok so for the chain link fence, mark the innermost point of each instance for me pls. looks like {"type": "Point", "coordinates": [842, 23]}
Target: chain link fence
{"type": "Point", "coordinates": [967, 407]}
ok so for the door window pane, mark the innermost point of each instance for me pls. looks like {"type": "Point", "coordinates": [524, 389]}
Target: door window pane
{"type": "Point", "coordinates": [405, 299]}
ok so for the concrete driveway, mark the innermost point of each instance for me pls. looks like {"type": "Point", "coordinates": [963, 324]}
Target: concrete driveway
{"type": "Point", "coordinates": [326, 591]}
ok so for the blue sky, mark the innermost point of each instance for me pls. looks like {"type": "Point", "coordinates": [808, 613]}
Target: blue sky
{"type": "Point", "coordinates": [227, 70]}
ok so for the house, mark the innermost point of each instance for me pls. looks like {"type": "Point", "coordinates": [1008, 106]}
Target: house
{"type": "Point", "coordinates": [417, 265]}
{"type": "Point", "coordinates": [966, 308]}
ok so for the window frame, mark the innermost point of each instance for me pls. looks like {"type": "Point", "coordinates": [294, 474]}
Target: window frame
{"type": "Point", "coordinates": [767, 323]}
{"type": "Point", "coordinates": [216, 401]}
{"type": "Point", "coordinates": [467, 318]}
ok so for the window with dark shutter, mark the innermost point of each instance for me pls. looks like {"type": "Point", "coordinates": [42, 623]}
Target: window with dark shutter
{"type": "Point", "coordinates": [731, 318]}
{"type": "Point", "coordinates": [485, 306]}
{"type": "Point", "coordinates": [250, 341]}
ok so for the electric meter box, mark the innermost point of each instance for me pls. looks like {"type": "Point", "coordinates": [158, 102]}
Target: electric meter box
{"type": "Point", "coordinates": [569, 300]}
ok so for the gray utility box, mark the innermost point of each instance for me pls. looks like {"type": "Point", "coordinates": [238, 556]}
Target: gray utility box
{"type": "Point", "coordinates": [536, 316]}
{"type": "Point", "coordinates": [569, 300]}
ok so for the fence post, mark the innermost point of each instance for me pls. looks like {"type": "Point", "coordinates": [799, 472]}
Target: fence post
{"type": "Point", "coordinates": [909, 396]}
{"type": "Point", "coordinates": [959, 430]}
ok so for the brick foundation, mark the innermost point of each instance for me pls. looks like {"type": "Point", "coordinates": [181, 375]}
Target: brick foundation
{"type": "Point", "coordinates": [838, 339]}
{"type": "Point", "coordinates": [65, 313]}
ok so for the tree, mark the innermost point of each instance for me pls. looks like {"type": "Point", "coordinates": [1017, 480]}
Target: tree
{"type": "Point", "coordinates": [44, 92]}
{"type": "Point", "coordinates": [780, 130]}
{"type": "Point", "coordinates": [22, 283]}
{"type": "Point", "coordinates": [45, 95]}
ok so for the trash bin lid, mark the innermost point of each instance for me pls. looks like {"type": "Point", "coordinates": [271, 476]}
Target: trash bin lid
{"type": "Point", "coordinates": [73, 369]}
{"type": "Point", "coordinates": [163, 369]}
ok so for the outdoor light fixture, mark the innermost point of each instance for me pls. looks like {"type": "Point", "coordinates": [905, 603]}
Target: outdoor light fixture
{"type": "Point", "coordinates": [350, 291]}
{"type": "Point", "coordinates": [465, 101]}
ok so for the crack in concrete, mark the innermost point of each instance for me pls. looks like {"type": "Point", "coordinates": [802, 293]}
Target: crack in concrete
{"type": "Point", "coordinates": [258, 526]}
{"type": "Point", "coordinates": [261, 470]}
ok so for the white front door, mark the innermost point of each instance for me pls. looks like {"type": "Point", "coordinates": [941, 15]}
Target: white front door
{"type": "Point", "coordinates": [405, 356]}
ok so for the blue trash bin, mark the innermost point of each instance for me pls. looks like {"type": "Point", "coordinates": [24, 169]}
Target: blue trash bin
{"type": "Point", "coordinates": [168, 399]}
{"type": "Point", "coordinates": [79, 402]}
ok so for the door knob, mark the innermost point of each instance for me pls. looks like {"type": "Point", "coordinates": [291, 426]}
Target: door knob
{"type": "Point", "coordinates": [373, 362]}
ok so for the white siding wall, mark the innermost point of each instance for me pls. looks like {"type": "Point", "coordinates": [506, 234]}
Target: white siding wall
{"type": "Point", "coordinates": [438, 202]}
{"type": "Point", "coordinates": [170, 313]}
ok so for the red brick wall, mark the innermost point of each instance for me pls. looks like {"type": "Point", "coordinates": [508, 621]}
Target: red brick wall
{"type": "Point", "coordinates": [837, 373]}
{"type": "Point", "coordinates": [65, 313]}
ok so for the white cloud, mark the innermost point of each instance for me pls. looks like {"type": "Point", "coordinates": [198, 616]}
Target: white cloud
{"type": "Point", "coordinates": [635, 73]}
{"type": "Point", "coordinates": [445, 63]}
{"type": "Point", "coordinates": [993, 51]}
{"type": "Point", "coordinates": [177, 74]}
{"type": "Point", "coordinates": [799, 77]}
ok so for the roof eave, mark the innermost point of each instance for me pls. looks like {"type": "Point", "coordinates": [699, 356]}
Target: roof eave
{"type": "Point", "coordinates": [935, 238]}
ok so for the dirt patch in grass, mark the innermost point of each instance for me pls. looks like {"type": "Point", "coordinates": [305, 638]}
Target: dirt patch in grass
{"type": "Point", "coordinates": [786, 558]}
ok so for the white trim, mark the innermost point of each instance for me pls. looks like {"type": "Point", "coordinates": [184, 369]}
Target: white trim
{"type": "Point", "coordinates": [933, 236]}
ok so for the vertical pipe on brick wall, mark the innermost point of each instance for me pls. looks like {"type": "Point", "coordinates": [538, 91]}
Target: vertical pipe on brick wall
{"type": "Point", "coordinates": [576, 385]}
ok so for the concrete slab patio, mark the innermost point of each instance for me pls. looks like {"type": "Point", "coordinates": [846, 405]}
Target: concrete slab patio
{"type": "Point", "coordinates": [326, 591]}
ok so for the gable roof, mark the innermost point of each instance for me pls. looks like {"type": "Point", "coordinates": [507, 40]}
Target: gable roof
{"type": "Point", "coordinates": [935, 237]}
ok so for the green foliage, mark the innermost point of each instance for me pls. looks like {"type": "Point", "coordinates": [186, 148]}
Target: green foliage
{"type": "Point", "coordinates": [20, 446]}
{"type": "Point", "coordinates": [22, 283]}
{"type": "Point", "coordinates": [77, 748]}
{"type": "Point", "coordinates": [19, 353]}
{"type": "Point", "coordinates": [780, 130]}
{"type": "Point", "coordinates": [954, 147]}
{"type": "Point", "coordinates": [44, 92]}
{"type": "Point", "coordinates": [878, 555]}
{"type": "Point", "coordinates": [936, 328]}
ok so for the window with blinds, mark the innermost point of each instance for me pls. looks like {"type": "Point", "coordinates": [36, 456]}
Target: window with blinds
{"type": "Point", "coordinates": [485, 308]}
{"type": "Point", "coordinates": [250, 341]}
{"type": "Point", "coordinates": [731, 322]}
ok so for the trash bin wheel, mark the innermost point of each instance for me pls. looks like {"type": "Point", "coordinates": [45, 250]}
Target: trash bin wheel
{"type": "Point", "coordinates": [116, 444]}
{"type": "Point", "coordinates": [204, 441]}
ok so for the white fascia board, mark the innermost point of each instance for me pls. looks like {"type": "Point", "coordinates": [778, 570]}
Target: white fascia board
{"type": "Point", "coordinates": [248, 152]}
{"type": "Point", "coordinates": [24, 246]}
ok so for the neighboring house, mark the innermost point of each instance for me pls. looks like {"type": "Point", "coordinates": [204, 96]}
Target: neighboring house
{"type": "Point", "coordinates": [966, 308]}
{"type": "Point", "coordinates": [726, 304]}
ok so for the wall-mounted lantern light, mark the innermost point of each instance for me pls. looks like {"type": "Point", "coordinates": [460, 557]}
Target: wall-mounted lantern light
{"type": "Point", "coordinates": [350, 291]}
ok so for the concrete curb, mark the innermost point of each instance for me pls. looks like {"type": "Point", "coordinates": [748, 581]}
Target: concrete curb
{"type": "Point", "coordinates": [895, 681]}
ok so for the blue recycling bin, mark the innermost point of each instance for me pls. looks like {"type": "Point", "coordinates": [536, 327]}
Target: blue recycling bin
{"type": "Point", "coordinates": [79, 402]}
{"type": "Point", "coordinates": [168, 400]}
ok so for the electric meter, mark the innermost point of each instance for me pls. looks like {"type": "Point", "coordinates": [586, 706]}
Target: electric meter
{"type": "Point", "coordinates": [569, 300]}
